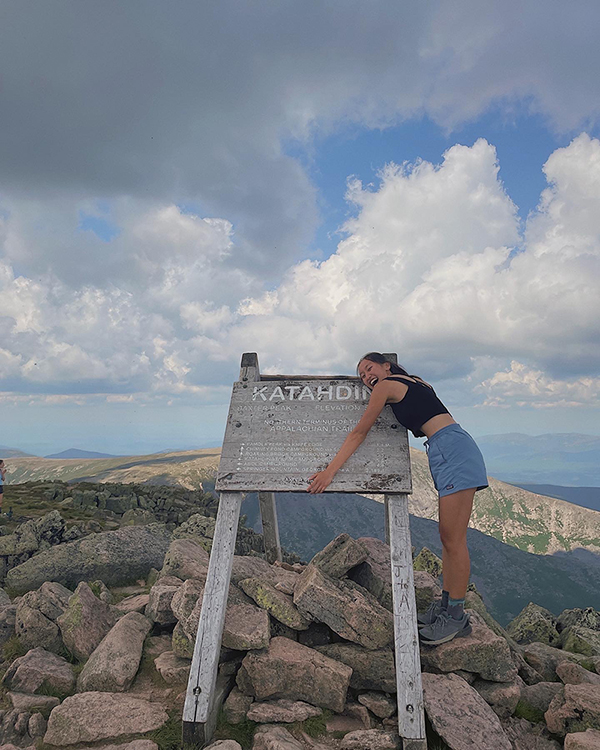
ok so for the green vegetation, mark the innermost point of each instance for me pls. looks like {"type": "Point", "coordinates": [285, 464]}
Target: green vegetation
{"type": "Point", "coordinates": [13, 649]}
{"type": "Point", "coordinates": [242, 732]}
{"type": "Point", "coordinates": [168, 737]}
{"type": "Point", "coordinates": [529, 712]}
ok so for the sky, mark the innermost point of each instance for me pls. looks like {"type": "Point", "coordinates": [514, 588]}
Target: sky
{"type": "Point", "coordinates": [181, 183]}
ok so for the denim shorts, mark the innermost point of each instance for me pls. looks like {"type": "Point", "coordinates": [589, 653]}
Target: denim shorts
{"type": "Point", "coordinates": [455, 461]}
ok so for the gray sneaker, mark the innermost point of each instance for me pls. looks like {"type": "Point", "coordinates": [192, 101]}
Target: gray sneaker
{"type": "Point", "coordinates": [444, 629]}
{"type": "Point", "coordinates": [429, 616]}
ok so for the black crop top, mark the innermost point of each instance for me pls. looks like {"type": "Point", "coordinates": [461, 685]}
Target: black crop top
{"type": "Point", "coordinates": [418, 406]}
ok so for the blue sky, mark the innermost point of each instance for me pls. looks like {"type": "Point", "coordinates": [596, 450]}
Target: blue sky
{"type": "Point", "coordinates": [183, 186]}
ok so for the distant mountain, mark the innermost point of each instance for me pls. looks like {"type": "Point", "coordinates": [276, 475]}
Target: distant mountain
{"type": "Point", "coordinates": [6, 452]}
{"type": "Point", "coordinates": [586, 497]}
{"type": "Point", "coordinates": [508, 578]}
{"type": "Point", "coordinates": [77, 453]}
{"type": "Point", "coordinates": [560, 459]}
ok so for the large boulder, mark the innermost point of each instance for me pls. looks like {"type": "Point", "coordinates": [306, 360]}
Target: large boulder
{"type": "Point", "coordinates": [93, 717]}
{"type": "Point", "coordinates": [536, 699]}
{"type": "Point", "coordinates": [282, 711]}
{"type": "Point", "coordinates": [341, 554]}
{"type": "Point", "coordinates": [371, 670]}
{"type": "Point", "coordinates": [36, 615]}
{"type": "Point", "coordinates": [574, 709]}
{"type": "Point", "coordinates": [288, 669]}
{"type": "Point", "coordinates": [534, 623]}
{"type": "Point", "coordinates": [525, 735]}
{"type": "Point", "coordinates": [185, 558]}
{"type": "Point", "coordinates": [85, 622]}
{"type": "Point", "coordinates": [482, 652]}
{"type": "Point", "coordinates": [460, 715]}
{"type": "Point", "coordinates": [159, 603]}
{"type": "Point", "coordinates": [544, 659]}
{"type": "Point", "coordinates": [502, 697]}
{"type": "Point", "coordinates": [114, 663]}
{"type": "Point", "coordinates": [115, 557]}
{"type": "Point", "coordinates": [588, 740]}
{"type": "Point", "coordinates": [278, 604]}
{"type": "Point", "coordinates": [574, 674]}
{"type": "Point", "coordinates": [40, 670]}
{"type": "Point", "coordinates": [348, 609]}
{"type": "Point", "coordinates": [173, 669]}
{"type": "Point", "coordinates": [586, 618]}
{"type": "Point", "coordinates": [275, 737]}
{"type": "Point", "coordinates": [370, 739]}
{"type": "Point", "coordinates": [581, 640]}
{"type": "Point", "coordinates": [8, 618]}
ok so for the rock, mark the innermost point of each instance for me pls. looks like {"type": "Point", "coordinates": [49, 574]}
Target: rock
{"type": "Point", "coordinates": [33, 703]}
{"type": "Point", "coordinates": [317, 634]}
{"type": "Point", "coordinates": [134, 745]}
{"type": "Point", "coordinates": [348, 609]}
{"type": "Point", "coordinates": [85, 622]}
{"type": "Point", "coordinates": [588, 740]}
{"type": "Point", "coordinates": [225, 745]}
{"type": "Point", "coordinates": [114, 663]}
{"type": "Point", "coordinates": [586, 618]}
{"type": "Point", "coordinates": [580, 640]}
{"type": "Point", "coordinates": [92, 717]}
{"type": "Point", "coordinates": [185, 559]}
{"type": "Point", "coordinates": [182, 645]}
{"type": "Point", "coordinates": [159, 602]}
{"type": "Point", "coordinates": [102, 591]}
{"type": "Point", "coordinates": [371, 670]}
{"type": "Point", "coordinates": [360, 712]}
{"type": "Point", "coordinates": [278, 628]}
{"type": "Point", "coordinates": [4, 599]}
{"type": "Point", "coordinates": [135, 603]}
{"type": "Point", "coordinates": [534, 623]}
{"type": "Point", "coordinates": [344, 723]}
{"type": "Point", "coordinates": [341, 554]}
{"type": "Point", "coordinates": [574, 709]}
{"type": "Point", "coordinates": [535, 699]}
{"type": "Point", "coordinates": [288, 669]}
{"type": "Point", "coordinates": [482, 652]}
{"type": "Point", "coordinates": [236, 706]}
{"type": "Point", "coordinates": [276, 603]}
{"type": "Point", "coordinates": [544, 659]}
{"type": "Point", "coordinates": [527, 736]}
{"type": "Point", "coordinates": [375, 573]}
{"type": "Point", "coordinates": [137, 517]}
{"type": "Point", "coordinates": [36, 615]}
{"type": "Point", "coordinates": [172, 668]}
{"type": "Point", "coordinates": [40, 669]}
{"type": "Point", "coordinates": [379, 704]}
{"type": "Point", "coordinates": [8, 618]}
{"type": "Point", "coordinates": [575, 674]}
{"type": "Point", "coordinates": [501, 696]}
{"type": "Point", "coordinates": [116, 557]}
{"type": "Point", "coordinates": [460, 715]}
{"type": "Point", "coordinates": [185, 600]}
{"type": "Point", "coordinates": [370, 739]}
{"type": "Point", "coordinates": [426, 589]}
{"type": "Point", "coordinates": [281, 711]}
{"type": "Point", "coordinates": [36, 726]}
{"type": "Point", "coordinates": [429, 562]}
{"type": "Point", "coordinates": [273, 737]}
{"type": "Point", "coordinates": [246, 627]}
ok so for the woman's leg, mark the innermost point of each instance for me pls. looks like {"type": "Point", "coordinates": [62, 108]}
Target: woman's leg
{"type": "Point", "coordinates": [454, 514]}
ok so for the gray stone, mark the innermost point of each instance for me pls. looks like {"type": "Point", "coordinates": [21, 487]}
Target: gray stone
{"type": "Point", "coordinates": [588, 740]}
{"type": "Point", "coordinates": [185, 559]}
{"type": "Point", "coordinates": [482, 652]}
{"type": "Point", "coordinates": [276, 603]}
{"type": "Point", "coordinates": [341, 554]}
{"type": "Point", "coordinates": [182, 645]}
{"type": "Point", "coordinates": [35, 629]}
{"type": "Point", "coordinates": [288, 669]}
{"type": "Point", "coordinates": [93, 717]}
{"type": "Point", "coordinates": [236, 706]}
{"type": "Point", "coordinates": [360, 712]}
{"type": "Point", "coordinates": [225, 745]}
{"type": "Point", "coordinates": [134, 603]}
{"type": "Point", "coordinates": [544, 659]}
{"type": "Point", "coordinates": [173, 669]}
{"type": "Point", "coordinates": [535, 699]}
{"type": "Point", "coordinates": [8, 618]}
{"type": "Point", "coordinates": [502, 697]}
{"type": "Point", "coordinates": [281, 711]}
{"type": "Point", "coordinates": [587, 618]}
{"type": "Point", "coordinates": [575, 674]}
{"type": "Point", "coordinates": [33, 703]}
{"type": "Point", "coordinates": [527, 736]}
{"type": "Point", "coordinates": [246, 627]}
{"type": "Point", "coordinates": [273, 737]}
{"type": "Point", "coordinates": [114, 663]}
{"type": "Point", "coordinates": [39, 669]}
{"type": "Point", "coordinates": [116, 557]}
{"type": "Point", "coordinates": [85, 622]}
{"type": "Point", "coordinates": [375, 573]}
{"type": "Point", "coordinates": [460, 715]}
{"type": "Point", "coordinates": [534, 623]}
{"type": "Point", "coordinates": [575, 709]}
{"type": "Point", "coordinates": [429, 562]}
{"type": "Point", "coordinates": [580, 640]}
{"type": "Point", "coordinates": [102, 591]}
{"type": "Point", "coordinates": [36, 726]}
{"type": "Point", "coordinates": [370, 739]}
{"type": "Point", "coordinates": [378, 703]}
{"type": "Point", "coordinates": [348, 609]}
{"type": "Point", "coordinates": [371, 670]}
{"type": "Point", "coordinates": [159, 602]}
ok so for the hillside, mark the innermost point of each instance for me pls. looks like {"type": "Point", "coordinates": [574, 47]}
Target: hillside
{"type": "Point", "coordinates": [528, 521]}
{"type": "Point", "coordinates": [586, 497]}
{"type": "Point", "coordinates": [78, 453]}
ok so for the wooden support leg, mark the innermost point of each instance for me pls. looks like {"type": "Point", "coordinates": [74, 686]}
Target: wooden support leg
{"type": "Point", "coordinates": [411, 718]}
{"type": "Point", "coordinates": [386, 510]}
{"type": "Point", "coordinates": [201, 706]}
{"type": "Point", "coordinates": [270, 527]}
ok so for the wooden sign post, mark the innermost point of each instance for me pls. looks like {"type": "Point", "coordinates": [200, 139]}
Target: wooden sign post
{"type": "Point", "coordinates": [280, 430]}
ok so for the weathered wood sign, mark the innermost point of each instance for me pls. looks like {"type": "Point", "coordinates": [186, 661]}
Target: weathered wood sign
{"type": "Point", "coordinates": [279, 432]}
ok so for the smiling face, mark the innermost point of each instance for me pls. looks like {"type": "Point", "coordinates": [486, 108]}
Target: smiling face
{"type": "Point", "coordinates": [372, 372]}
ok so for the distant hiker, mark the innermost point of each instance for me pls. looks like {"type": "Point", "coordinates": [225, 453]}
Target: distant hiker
{"type": "Point", "coordinates": [457, 468]}
{"type": "Point", "coordinates": [2, 474]}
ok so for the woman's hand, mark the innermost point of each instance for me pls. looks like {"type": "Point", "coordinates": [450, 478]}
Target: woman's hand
{"type": "Point", "coordinates": [319, 481]}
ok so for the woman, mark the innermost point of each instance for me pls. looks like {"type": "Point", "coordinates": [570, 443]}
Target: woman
{"type": "Point", "coordinates": [457, 469]}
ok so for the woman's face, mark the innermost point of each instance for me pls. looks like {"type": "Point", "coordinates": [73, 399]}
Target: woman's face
{"type": "Point", "coordinates": [371, 372]}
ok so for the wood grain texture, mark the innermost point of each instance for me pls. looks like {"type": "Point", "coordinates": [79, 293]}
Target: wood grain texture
{"type": "Point", "coordinates": [270, 527]}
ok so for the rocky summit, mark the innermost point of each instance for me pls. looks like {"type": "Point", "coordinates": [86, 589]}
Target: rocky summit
{"type": "Point", "coordinates": [97, 630]}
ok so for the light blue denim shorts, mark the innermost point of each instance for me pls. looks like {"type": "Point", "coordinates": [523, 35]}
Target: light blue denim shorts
{"type": "Point", "coordinates": [455, 461]}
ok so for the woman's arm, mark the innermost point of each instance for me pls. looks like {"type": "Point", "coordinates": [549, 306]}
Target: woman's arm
{"type": "Point", "coordinates": [379, 397]}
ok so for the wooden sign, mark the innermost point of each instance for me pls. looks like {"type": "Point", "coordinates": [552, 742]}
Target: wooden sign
{"type": "Point", "coordinates": [281, 431]}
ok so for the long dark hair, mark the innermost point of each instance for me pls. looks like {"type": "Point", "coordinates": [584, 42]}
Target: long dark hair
{"type": "Point", "coordinates": [380, 360]}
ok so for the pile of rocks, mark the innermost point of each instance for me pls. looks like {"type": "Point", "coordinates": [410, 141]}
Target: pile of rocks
{"type": "Point", "coordinates": [300, 642]}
